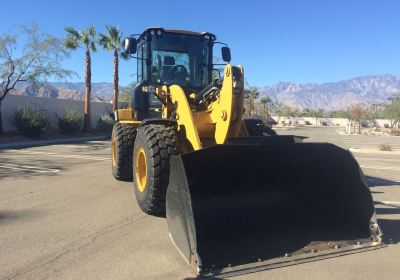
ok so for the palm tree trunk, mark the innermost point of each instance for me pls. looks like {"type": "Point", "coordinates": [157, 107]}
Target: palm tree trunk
{"type": "Point", "coordinates": [115, 101]}
{"type": "Point", "coordinates": [88, 84]}
{"type": "Point", "coordinates": [251, 108]}
{"type": "Point", "coordinates": [1, 121]}
{"type": "Point", "coordinates": [264, 112]}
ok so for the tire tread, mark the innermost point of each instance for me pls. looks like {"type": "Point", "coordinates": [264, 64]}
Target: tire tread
{"type": "Point", "coordinates": [164, 144]}
{"type": "Point", "coordinates": [125, 137]}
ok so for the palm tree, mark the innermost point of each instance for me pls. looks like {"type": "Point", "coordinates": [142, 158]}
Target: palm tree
{"type": "Point", "coordinates": [112, 42]}
{"type": "Point", "coordinates": [87, 40]}
{"type": "Point", "coordinates": [252, 95]}
{"type": "Point", "coordinates": [265, 104]}
{"type": "Point", "coordinates": [277, 109]}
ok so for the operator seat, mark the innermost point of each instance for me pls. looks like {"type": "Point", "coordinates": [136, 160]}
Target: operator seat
{"type": "Point", "coordinates": [166, 74]}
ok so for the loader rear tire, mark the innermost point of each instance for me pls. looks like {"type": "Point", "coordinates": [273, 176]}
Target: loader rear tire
{"type": "Point", "coordinates": [154, 145]}
{"type": "Point", "coordinates": [122, 140]}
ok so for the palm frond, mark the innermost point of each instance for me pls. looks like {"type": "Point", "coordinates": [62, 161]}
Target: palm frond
{"type": "Point", "coordinates": [93, 46]}
{"type": "Point", "coordinates": [71, 42]}
{"type": "Point", "coordinates": [72, 31]}
{"type": "Point", "coordinates": [91, 31]}
{"type": "Point", "coordinates": [75, 37]}
{"type": "Point", "coordinates": [104, 42]}
{"type": "Point", "coordinates": [84, 38]}
{"type": "Point", "coordinates": [114, 32]}
{"type": "Point", "coordinates": [115, 35]}
{"type": "Point", "coordinates": [124, 55]}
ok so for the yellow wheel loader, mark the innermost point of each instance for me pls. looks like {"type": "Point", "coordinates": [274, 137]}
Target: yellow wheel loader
{"type": "Point", "coordinates": [238, 198]}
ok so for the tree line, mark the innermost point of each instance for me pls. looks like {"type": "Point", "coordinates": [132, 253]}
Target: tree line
{"type": "Point", "coordinates": [264, 107]}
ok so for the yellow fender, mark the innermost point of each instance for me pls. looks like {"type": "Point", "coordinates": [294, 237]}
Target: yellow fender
{"type": "Point", "coordinates": [186, 125]}
{"type": "Point", "coordinates": [126, 116]}
{"type": "Point", "coordinates": [227, 112]}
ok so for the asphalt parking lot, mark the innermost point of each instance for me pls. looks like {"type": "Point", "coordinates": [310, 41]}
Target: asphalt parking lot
{"type": "Point", "coordinates": [63, 216]}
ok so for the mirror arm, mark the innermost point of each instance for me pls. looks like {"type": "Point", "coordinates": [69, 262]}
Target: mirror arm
{"type": "Point", "coordinates": [226, 45]}
{"type": "Point", "coordinates": [138, 58]}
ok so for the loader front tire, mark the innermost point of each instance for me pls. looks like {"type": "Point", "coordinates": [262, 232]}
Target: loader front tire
{"type": "Point", "coordinates": [122, 140]}
{"type": "Point", "coordinates": [154, 145]}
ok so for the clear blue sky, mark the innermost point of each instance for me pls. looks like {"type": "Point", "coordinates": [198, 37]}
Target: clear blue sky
{"type": "Point", "coordinates": [297, 41]}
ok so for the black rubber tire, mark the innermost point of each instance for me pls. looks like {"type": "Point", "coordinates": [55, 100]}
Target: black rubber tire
{"type": "Point", "coordinates": [267, 131]}
{"type": "Point", "coordinates": [256, 127]}
{"type": "Point", "coordinates": [124, 137]}
{"type": "Point", "coordinates": [159, 142]}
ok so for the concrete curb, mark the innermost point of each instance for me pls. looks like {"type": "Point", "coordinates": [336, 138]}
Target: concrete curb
{"type": "Point", "coordinates": [28, 144]}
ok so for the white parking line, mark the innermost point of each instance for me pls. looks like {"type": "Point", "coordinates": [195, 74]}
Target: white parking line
{"type": "Point", "coordinates": [28, 168]}
{"type": "Point", "coordinates": [380, 167]}
{"type": "Point", "coordinates": [62, 155]}
{"type": "Point", "coordinates": [395, 141]}
{"type": "Point", "coordinates": [390, 203]}
{"type": "Point", "coordinates": [378, 159]}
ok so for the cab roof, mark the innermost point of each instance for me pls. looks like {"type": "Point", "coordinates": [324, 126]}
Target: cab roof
{"type": "Point", "coordinates": [155, 28]}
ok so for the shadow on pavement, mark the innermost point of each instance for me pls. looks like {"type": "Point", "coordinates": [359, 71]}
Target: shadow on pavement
{"type": "Point", "coordinates": [376, 192]}
{"type": "Point", "coordinates": [390, 227]}
{"type": "Point", "coordinates": [204, 278]}
{"type": "Point", "coordinates": [387, 211]}
{"type": "Point", "coordinates": [11, 168]}
{"type": "Point", "coordinates": [94, 146]}
{"type": "Point", "coordinates": [380, 182]}
{"type": "Point", "coordinates": [87, 147]}
{"type": "Point", "coordinates": [7, 216]}
{"type": "Point", "coordinates": [391, 230]}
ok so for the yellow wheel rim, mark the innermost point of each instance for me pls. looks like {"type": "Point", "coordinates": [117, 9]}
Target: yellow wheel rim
{"type": "Point", "coordinates": [113, 151]}
{"type": "Point", "coordinates": [141, 169]}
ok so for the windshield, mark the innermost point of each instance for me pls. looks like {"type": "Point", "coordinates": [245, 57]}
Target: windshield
{"type": "Point", "coordinates": [180, 59]}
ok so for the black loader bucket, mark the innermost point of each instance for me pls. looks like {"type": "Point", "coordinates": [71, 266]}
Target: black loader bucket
{"type": "Point", "coordinates": [264, 202]}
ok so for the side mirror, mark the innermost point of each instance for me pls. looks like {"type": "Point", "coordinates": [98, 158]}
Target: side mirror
{"type": "Point", "coordinates": [226, 54]}
{"type": "Point", "coordinates": [130, 45]}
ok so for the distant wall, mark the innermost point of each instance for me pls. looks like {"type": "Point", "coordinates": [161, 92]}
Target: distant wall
{"type": "Point", "coordinates": [51, 106]}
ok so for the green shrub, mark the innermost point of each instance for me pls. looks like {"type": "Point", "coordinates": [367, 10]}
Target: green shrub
{"type": "Point", "coordinates": [105, 123]}
{"type": "Point", "coordinates": [71, 121]}
{"type": "Point", "coordinates": [385, 147]}
{"type": "Point", "coordinates": [31, 121]}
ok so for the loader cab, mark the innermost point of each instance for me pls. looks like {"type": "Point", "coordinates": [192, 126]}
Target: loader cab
{"type": "Point", "coordinates": [166, 57]}
{"type": "Point", "coordinates": [172, 57]}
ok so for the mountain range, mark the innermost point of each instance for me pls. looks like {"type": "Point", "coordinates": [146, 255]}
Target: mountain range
{"type": "Point", "coordinates": [333, 96]}
{"type": "Point", "coordinates": [101, 92]}
{"type": "Point", "coordinates": [329, 96]}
